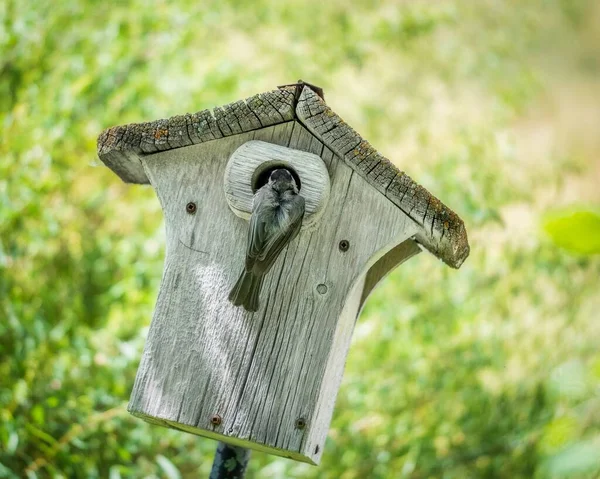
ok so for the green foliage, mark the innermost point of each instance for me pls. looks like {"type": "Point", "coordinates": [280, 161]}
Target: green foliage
{"type": "Point", "coordinates": [489, 371]}
{"type": "Point", "coordinates": [577, 231]}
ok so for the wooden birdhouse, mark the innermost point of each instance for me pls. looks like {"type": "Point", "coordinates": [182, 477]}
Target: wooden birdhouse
{"type": "Point", "coordinates": [267, 380]}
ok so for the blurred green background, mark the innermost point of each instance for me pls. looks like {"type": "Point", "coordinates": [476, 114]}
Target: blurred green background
{"type": "Point", "coordinates": [494, 106]}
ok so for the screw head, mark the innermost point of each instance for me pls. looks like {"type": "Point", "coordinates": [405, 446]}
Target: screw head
{"type": "Point", "coordinates": [321, 288]}
{"type": "Point", "coordinates": [300, 423]}
{"type": "Point", "coordinates": [216, 420]}
{"type": "Point", "coordinates": [190, 207]}
{"type": "Point", "coordinates": [344, 245]}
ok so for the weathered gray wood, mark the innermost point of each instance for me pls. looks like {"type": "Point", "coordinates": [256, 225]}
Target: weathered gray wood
{"type": "Point", "coordinates": [259, 372]}
{"type": "Point", "coordinates": [442, 232]}
{"type": "Point", "coordinates": [121, 147]}
{"type": "Point", "coordinates": [355, 300]}
{"type": "Point", "coordinates": [262, 373]}
{"type": "Point", "coordinates": [256, 156]}
{"type": "Point", "coordinates": [386, 264]}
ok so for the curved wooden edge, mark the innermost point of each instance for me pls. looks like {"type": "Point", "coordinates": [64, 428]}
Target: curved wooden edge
{"type": "Point", "coordinates": [385, 265]}
{"type": "Point", "coordinates": [254, 154]}
{"type": "Point", "coordinates": [120, 147]}
{"type": "Point", "coordinates": [442, 232]}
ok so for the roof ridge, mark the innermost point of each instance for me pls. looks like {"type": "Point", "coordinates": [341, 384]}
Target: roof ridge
{"type": "Point", "coordinates": [442, 231]}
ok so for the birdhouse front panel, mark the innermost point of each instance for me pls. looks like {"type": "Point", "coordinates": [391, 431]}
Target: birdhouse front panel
{"type": "Point", "coordinates": [257, 377]}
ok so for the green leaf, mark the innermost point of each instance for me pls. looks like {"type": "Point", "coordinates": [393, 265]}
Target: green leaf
{"type": "Point", "coordinates": [168, 467]}
{"type": "Point", "coordinates": [40, 434]}
{"type": "Point", "coordinates": [114, 473]}
{"type": "Point", "coordinates": [37, 414]}
{"type": "Point", "coordinates": [558, 434]}
{"type": "Point", "coordinates": [13, 442]}
{"type": "Point", "coordinates": [580, 458]}
{"type": "Point", "coordinates": [575, 231]}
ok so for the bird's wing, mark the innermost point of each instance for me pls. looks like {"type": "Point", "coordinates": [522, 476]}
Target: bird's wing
{"type": "Point", "coordinates": [277, 241]}
{"type": "Point", "coordinates": [257, 239]}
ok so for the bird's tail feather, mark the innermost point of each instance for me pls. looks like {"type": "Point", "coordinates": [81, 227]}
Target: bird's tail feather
{"type": "Point", "coordinates": [247, 291]}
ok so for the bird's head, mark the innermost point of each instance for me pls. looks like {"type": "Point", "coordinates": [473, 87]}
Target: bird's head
{"type": "Point", "coordinates": [282, 180]}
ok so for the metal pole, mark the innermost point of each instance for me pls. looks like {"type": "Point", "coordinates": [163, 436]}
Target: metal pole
{"type": "Point", "coordinates": [230, 462]}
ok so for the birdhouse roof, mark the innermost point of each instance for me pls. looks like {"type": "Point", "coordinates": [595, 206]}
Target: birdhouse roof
{"type": "Point", "coordinates": [442, 232]}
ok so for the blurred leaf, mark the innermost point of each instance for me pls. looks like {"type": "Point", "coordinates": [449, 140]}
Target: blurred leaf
{"type": "Point", "coordinates": [7, 473]}
{"type": "Point", "coordinates": [37, 414]}
{"type": "Point", "coordinates": [13, 442]}
{"type": "Point", "coordinates": [20, 391]}
{"type": "Point", "coordinates": [577, 231]}
{"type": "Point", "coordinates": [114, 473]}
{"type": "Point", "coordinates": [558, 433]}
{"type": "Point", "coordinates": [168, 467]}
{"type": "Point", "coordinates": [569, 379]}
{"type": "Point", "coordinates": [582, 457]}
{"type": "Point", "coordinates": [40, 434]}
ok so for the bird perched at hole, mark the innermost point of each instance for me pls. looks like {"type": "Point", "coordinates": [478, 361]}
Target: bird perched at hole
{"type": "Point", "coordinates": [277, 213]}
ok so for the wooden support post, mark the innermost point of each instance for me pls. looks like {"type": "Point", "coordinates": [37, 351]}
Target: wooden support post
{"type": "Point", "coordinates": [230, 462]}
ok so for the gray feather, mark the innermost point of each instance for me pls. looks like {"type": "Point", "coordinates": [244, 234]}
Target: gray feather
{"type": "Point", "coordinates": [276, 220]}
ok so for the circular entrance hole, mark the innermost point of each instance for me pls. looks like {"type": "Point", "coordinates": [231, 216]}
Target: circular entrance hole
{"type": "Point", "coordinates": [260, 177]}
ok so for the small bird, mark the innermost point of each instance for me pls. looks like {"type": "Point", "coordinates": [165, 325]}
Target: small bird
{"type": "Point", "coordinates": [277, 213]}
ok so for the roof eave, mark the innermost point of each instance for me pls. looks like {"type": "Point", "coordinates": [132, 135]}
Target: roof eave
{"type": "Point", "coordinates": [442, 232]}
{"type": "Point", "coordinates": [120, 147]}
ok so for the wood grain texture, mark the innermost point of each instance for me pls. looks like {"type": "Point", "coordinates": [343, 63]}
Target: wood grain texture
{"type": "Point", "coordinates": [258, 155]}
{"type": "Point", "coordinates": [121, 147]}
{"type": "Point", "coordinates": [386, 264]}
{"type": "Point", "coordinates": [441, 231]}
{"type": "Point", "coordinates": [260, 372]}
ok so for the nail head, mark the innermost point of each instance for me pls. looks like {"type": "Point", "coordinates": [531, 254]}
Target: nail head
{"type": "Point", "coordinates": [190, 207]}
